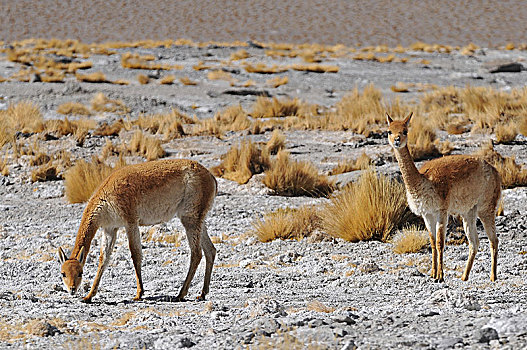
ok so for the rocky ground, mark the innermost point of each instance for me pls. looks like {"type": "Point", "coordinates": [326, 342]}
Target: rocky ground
{"type": "Point", "coordinates": [283, 294]}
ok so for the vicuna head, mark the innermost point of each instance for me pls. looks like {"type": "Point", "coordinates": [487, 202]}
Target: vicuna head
{"type": "Point", "coordinates": [71, 270]}
{"type": "Point", "coordinates": [398, 131]}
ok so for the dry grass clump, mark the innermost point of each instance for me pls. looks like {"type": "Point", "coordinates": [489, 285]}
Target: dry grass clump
{"type": "Point", "coordinates": [315, 68]}
{"type": "Point", "coordinates": [506, 133]}
{"type": "Point", "coordinates": [145, 146]}
{"type": "Point", "coordinates": [96, 77]}
{"type": "Point", "coordinates": [273, 108]}
{"type": "Point", "coordinates": [286, 177]}
{"type": "Point", "coordinates": [221, 75]}
{"type": "Point", "coordinates": [167, 80]}
{"type": "Point", "coordinates": [84, 177]}
{"type": "Point", "coordinates": [169, 125]}
{"type": "Point", "coordinates": [241, 162]}
{"type": "Point", "coordinates": [46, 172]}
{"type": "Point", "coordinates": [289, 223]}
{"type": "Point", "coordinates": [262, 68]}
{"type": "Point", "coordinates": [361, 112]}
{"type": "Point", "coordinates": [522, 126]}
{"type": "Point", "coordinates": [49, 168]}
{"type": "Point", "coordinates": [422, 140]}
{"type": "Point", "coordinates": [276, 143]}
{"type": "Point", "coordinates": [277, 81]}
{"type": "Point", "coordinates": [371, 208]}
{"type": "Point", "coordinates": [347, 166]}
{"type": "Point", "coordinates": [109, 130]}
{"type": "Point", "coordinates": [23, 116]}
{"type": "Point", "coordinates": [4, 165]}
{"type": "Point", "coordinates": [101, 103]}
{"type": "Point", "coordinates": [143, 79]}
{"type": "Point", "coordinates": [78, 128]}
{"type": "Point", "coordinates": [233, 118]}
{"type": "Point", "coordinates": [512, 174]}
{"type": "Point", "coordinates": [240, 55]}
{"type": "Point", "coordinates": [136, 61]}
{"type": "Point", "coordinates": [74, 108]}
{"type": "Point", "coordinates": [410, 240]}
{"type": "Point", "coordinates": [187, 81]}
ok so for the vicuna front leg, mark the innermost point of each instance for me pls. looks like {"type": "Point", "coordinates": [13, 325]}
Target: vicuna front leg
{"type": "Point", "coordinates": [107, 245]}
{"type": "Point", "coordinates": [134, 242]}
{"type": "Point", "coordinates": [469, 225]}
{"type": "Point", "coordinates": [440, 245]}
{"type": "Point", "coordinates": [430, 222]}
{"type": "Point", "coordinates": [193, 229]}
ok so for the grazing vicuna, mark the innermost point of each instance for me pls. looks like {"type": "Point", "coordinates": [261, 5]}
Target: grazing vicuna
{"type": "Point", "coordinates": [456, 184]}
{"type": "Point", "coordinates": [145, 194]}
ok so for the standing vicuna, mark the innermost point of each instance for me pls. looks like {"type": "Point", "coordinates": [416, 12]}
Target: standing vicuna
{"type": "Point", "coordinates": [145, 194]}
{"type": "Point", "coordinates": [456, 184]}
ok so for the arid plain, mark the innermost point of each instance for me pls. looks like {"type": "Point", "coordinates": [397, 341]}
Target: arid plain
{"type": "Point", "coordinates": [316, 248]}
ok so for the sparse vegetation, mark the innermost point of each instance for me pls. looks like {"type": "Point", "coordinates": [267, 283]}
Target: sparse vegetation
{"type": "Point", "coordinates": [241, 162]}
{"type": "Point", "coordinates": [84, 177]}
{"type": "Point", "coordinates": [101, 103]}
{"type": "Point", "coordinates": [289, 223]}
{"type": "Point", "coordinates": [73, 108]}
{"type": "Point", "coordinates": [287, 177]}
{"type": "Point", "coordinates": [146, 146]}
{"type": "Point", "coordinates": [512, 174]}
{"type": "Point", "coordinates": [362, 162]}
{"type": "Point", "coordinates": [410, 240]}
{"type": "Point", "coordinates": [369, 209]}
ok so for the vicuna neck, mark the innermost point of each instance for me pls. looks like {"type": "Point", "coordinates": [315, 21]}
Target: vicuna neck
{"type": "Point", "coordinates": [411, 176]}
{"type": "Point", "coordinates": [87, 230]}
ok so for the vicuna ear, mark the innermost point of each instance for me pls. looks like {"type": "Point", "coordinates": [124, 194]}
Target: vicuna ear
{"type": "Point", "coordinates": [80, 255]}
{"type": "Point", "coordinates": [62, 256]}
{"type": "Point", "coordinates": [388, 119]}
{"type": "Point", "coordinates": [407, 120]}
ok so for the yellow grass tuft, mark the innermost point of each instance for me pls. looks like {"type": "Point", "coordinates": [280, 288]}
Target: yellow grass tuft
{"type": "Point", "coordinates": [422, 139]}
{"type": "Point", "coordinates": [315, 68]}
{"type": "Point", "coordinates": [136, 61]}
{"type": "Point", "coordinates": [74, 108]}
{"type": "Point", "coordinates": [221, 75]}
{"type": "Point", "coordinates": [410, 240]}
{"type": "Point", "coordinates": [143, 79]}
{"type": "Point", "coordinates": [277, 81]}
{"type": "Point", "coordinates": [146, 146]}
{"type": "Point", "coordinates": [264, 69]}
{"type": "Point", "coordinates": [318, 306]}
{"type": "Point", "coordinates": [240, 55]}
{"type": "Point", "coordinates": [46, 172]}
{"type": "Point", "coordinates": [371, 208]}
{"type": "Point", "coordinates": [101, 103]}
{"type": "Point", "coordinates": [287, 223]}
{"type": "Point", "coordinates": [276, 143]}
{"type": "Point", "coordinates": [272, 108]}
{"type": "Point", "coordinates": [506, 132]}
{"type": "Point", "coordinates": [347, 166]}
{"type": "Point", "coordinates": [23, 116]}
{"type": "Point", "coordinates": [83, 178]}
{"type": "Point", "coordinates": [233, 118]}
{"type": "Point", "coordinates": [512, 174]}
{"type": "Point", "coordinates": [96, 77]}
{"type": "Point", "coordinates": [241, 163]}
{"type": "Point", "coordinates": [167, 80]}
{"type": "Point", "coordinates": [296, 178]}
{"type": "Point", "coordinates": [187, 81]}
{"type": "Point", "coordinates": [169, 125]}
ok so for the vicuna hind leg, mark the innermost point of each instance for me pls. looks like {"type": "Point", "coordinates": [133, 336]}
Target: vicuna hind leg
{"type": "Point", "coordinates": [134, 243]}
{"type": "Point", "coordinates": [489, 223]}
{"type": "Point", "coordinates": [193, 229]}
{"type": "Point", "coordinates": [440, 245]}
{"type": "Point", "coordinates": [210, 255]}
{"type": "Point", "coordinates": [107, 244]}
{"type": "Point", "coordinates": [469, 225]}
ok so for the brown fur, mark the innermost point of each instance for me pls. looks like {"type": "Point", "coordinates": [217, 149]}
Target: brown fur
{"type": "Point", "coordinates": [457, 184]}
{"type": "Point", "coordinates": [145, 194]}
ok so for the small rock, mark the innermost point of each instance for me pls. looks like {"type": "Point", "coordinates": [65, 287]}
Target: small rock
{"type": "Point", "coordinates": [349, 345]}
{"type": "Point", "coordinates": [484, 335]}
{"type": "Point", "coordinates": [340, 332]}
{"type": "Point", "coordinates": [315, 323]}
{"type": "Point", "coordinates": [503, 67]}
{"type": "Point", "coordinates": [186, 343]}
{"type": "Point", "coordinates": [41, 328]}
{"type": "Point", "coordinates": [343, 319]}
{"type": "Point", "coordinates": [449, 343]}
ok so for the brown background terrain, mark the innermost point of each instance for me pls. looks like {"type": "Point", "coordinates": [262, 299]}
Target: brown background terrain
{"type": "Point", "coordinates": [486, 23]}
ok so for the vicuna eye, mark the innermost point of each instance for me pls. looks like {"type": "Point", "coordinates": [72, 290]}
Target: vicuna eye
{"type": "Point", "coordinates": [64, 274]}
{"type": "Point", "coordinates": [405, 132]}
{"type": "Point", "coordinates": [80, 275]}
